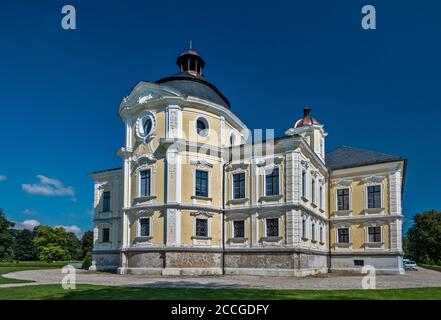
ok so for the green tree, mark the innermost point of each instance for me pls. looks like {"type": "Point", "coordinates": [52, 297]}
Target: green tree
{"type": "Point", "coordinates": [405, 242]}
{"type": "Point", "coordinates": [6, 237]}
{"type": "Point", "coordinates": [425, 237]}
{"type": "Point", "coordinates": [51, 243]}
{"type": "Point", "coordinates": [86, 244]}
{"type": "Point", "coordinates": [73, 247]}
{"type": "Point", "coordinates": [23, 246]}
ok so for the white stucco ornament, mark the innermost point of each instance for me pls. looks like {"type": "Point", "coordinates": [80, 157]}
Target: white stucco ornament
{"type": "Point", "coordinates": [144, 99]}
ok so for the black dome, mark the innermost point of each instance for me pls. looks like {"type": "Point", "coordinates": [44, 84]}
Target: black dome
{"type": "Point", "coordinates": [196, 87]}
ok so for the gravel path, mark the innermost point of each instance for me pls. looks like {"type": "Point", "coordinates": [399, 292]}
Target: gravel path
{"type": "Point", "coordinates": [420, 278]}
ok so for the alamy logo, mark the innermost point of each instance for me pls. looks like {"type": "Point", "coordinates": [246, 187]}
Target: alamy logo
{"type": "Point", "coordinates": [69, 280]}
{"type": "Point", "coordinates": [369, 20]}
{"type": "Point", "coordinates": [368, 281]}
{"type": "Point", "coordinates": [69, 21]}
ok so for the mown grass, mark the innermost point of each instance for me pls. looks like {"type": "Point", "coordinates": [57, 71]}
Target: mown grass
{"type": "Point", "coordinates": [7, 267]}
{"type": "Point", "coordinates": [431, 267]}
{"type": "Point", "coordinates": [92, 292]}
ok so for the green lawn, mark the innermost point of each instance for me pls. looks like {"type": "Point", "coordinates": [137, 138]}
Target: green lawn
{"type": "Point", "coordinates": [7, 267]}
{"type": "Point", "coordinates": [431, 267]}
{"type": "Point", "coordinates": [92, 292]}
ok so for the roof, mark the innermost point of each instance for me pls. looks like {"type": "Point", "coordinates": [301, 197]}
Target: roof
{"type": "Point", "coordinates": [194, 86]}
{"type": "Point", "coordinates": [307, 120]}
{"type": "Point", "coordinates": [348, 157]}
{"type": "Point", "coordinates": [107, 170]}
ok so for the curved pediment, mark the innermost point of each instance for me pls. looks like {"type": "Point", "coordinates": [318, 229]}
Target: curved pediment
{"type": "Point", "coordinates": [145, 92]}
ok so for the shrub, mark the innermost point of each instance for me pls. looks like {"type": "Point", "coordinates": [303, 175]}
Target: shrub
{"type": "Point", "coordinates": [87, 262]}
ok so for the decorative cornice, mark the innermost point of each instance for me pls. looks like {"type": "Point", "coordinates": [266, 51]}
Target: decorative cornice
{"type": "Point", "coordinates": [373, 178]}
{"type": "Point", "coordinates": [305, 164]}
{"type": "Point", "coordinates": [202, 213]}
{"type": "Point", "coordinates": [342, 183]}
{"type": "Point", "coordinates": [201, 163]}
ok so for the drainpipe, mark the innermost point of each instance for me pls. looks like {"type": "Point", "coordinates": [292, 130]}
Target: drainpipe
{"type": "Point", "coordinates": [329, 222]}
{"type": "Point", "coordinates": [223, 219]}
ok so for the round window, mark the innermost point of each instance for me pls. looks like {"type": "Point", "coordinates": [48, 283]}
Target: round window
{"type": "Point", "coordinates": [202, 127]}
{"type": "Point", "coordinates": [145, 125]}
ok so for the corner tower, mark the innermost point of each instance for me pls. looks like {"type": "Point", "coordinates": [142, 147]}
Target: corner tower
{"type": "Point", "coordinates": [312, 131]}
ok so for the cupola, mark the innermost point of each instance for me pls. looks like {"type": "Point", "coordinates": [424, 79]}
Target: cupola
{"type": "Point", "coordinates": [190, 61]}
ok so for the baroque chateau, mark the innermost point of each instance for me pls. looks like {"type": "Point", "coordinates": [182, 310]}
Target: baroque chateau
{"type": "Point", "coordinates": [197, 195]}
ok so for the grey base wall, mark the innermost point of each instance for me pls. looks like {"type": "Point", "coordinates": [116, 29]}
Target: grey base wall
{"type": "Point", "coordinates": [275, 264]}
{"type": "Point", "coordinates": [105, 261]}
{"type": "Point", "coordinates": [199, 262]}
{"type": "Point", "coordinates": [383, 264]}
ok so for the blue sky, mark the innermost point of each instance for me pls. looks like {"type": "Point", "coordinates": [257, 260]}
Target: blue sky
{"type": "Point", "coordinates": [60, 89]}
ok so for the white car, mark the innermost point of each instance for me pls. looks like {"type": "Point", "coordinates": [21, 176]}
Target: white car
{"type": "Point", "coordinates": [409, 264]}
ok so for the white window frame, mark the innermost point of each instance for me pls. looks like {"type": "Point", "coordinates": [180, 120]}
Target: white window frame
{"type": "Point", "coordinates": [208, 182]}
{"type": "Point", "coordinates": [110, 201]}
{"type": "Point", "coordinates": [367, 234]}
{"type": "Point", "coordinates": [366, 201]}
{"type": "Point", "coordinates": [313, 191]}
{"type": "Point", "coordinates": [279, 225]}
{"type": "Point", "coordinates": [139, 182]}
{"type": "Point", "coordinates": [305, 227]}
{"type": "Point", "coordinates": [208, 219]}
{"type": "Point", "coordinates": [244, 228]}
{"type": "Point", "coordinates": [337, 239]}
{"type": "Point", "coordinates": [313, 231]}
{"type": "Point", "coordinates": [321, 234]}
{"type": "Point", "coordinates": [336, 198]}
{"type": "Point", "coordinates": [101, 232]}
{"type": "Point", "coordinates": [232, 184]}
{"type": "Point", "coordinates": [264, 180]}
{"type": "Point", "coordinates": [150, 227]}
{"type": "Point", "coordinates": [304, 185]}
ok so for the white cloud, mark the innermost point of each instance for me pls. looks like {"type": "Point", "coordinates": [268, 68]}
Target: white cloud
{"type": "Point", "coordinates": [27, 224]}
{"type": "Point", "coordinates": [29, 212]}
{"type": "Point", "coordinates": [48, 187]}
{"type": "Point", "coordinates": [72, 228]}
{"type": "Point", "coordinates": [3, 178]}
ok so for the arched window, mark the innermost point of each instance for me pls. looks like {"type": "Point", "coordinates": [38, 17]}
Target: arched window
{"type": "Point", "coordinates": [232, 139]}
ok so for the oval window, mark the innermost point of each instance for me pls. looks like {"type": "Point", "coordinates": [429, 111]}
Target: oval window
{"type": "Point", "coordinates": [202, 127]}
{"type": "Point", "coordinates": [147, 126]}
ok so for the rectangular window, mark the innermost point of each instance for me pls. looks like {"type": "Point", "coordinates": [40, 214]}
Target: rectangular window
{"type": "Point", "coordinates": [106, 201]}
{"type": "Point", "coordinates": [106, 235]}
{"type": "Point", "coordinates": [201, 183]}
{"type": "Point", "coordinates": [239, 186]}
{"type": "Point", "coordinates": [144, 227]}
{"type": "Point", "coordinates": [313, 190]}
{"type": "Point", "coordinates": [272, 227]}
{"type": "Point", "coordinates": [358, 263]}
{"type": "Point", "coordinates": [201, 227]}
{"type": "Point", "coordinates": [272, 182]}
{"type": "Point", "coordinates": [343, 235]}
{"type": "Point", "coordinates": [239, 229]}
{"type": "Point", "coordinates": [374, 234]}
{"type": "Point", "coordinates": [374, 196]}
{"type": "Point", "coordinates": [321, 198]}
{"type": "Point", "coordinates": [144, 183]}
{"type": "Point", "coordinates": [343, 199]}
{"type": "Point", "coordinates": [303, 184]}
{"type": "Point", "coordinates": [304, 229]}
{"type": "Point", "coordinates": [321, 235]}
{"type": "Point", "coordinates": [313, 232]}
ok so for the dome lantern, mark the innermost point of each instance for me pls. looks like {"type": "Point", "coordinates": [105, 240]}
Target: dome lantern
{"type": "Point", "coordinates": [190, 61]}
